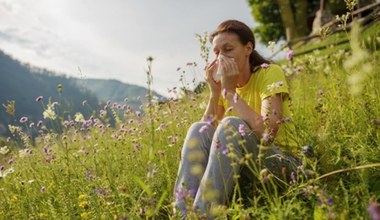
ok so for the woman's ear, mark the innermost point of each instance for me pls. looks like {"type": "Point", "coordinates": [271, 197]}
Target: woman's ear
{"type": "Point", "coordinates": [248, 48]}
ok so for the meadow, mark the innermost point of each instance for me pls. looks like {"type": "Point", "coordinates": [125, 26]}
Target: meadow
{"type": "Point", "coordinates": [94, 170]}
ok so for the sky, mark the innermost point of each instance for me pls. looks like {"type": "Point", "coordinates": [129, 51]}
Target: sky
{"type": "Point", "coordinates": [111, 39]}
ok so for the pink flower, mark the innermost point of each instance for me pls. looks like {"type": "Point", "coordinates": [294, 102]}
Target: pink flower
{"type": "Point", "coordinates": [242, 129]}
{"type": "Point", "coordinates": [39, 98]}
{"type": "Point", "coordinates": [224, 93]}
{"type": "Point", "coordinates": [23, 119]}
{"type": "Point", "coordinates": [203, 129]}
{"type": "Point", "coordinates": [229, 109]}
{"type": "Point", "coordinates": [264, 65]}
{"type": "Point", "coordinates": [289, 54]}
{"type": "Point", "coordinates": [374, 211]}
{"type": "Point", "coordinates": [235, 98]}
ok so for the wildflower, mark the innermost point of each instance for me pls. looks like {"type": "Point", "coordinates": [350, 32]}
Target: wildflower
{"type": "Point", "coordinates": [4, 150]}
{"type": "Point", "coordinates": [84, 204]}
{"type": "Point", "coordinates": [10, 161]}
{"type": "Point", "coordinates": [264, 65]}
{"type": "Point", "coordinates": [330, 201]}
{"type": "Point", "coordinates": [225, 150]}
{"type": "Point", "coordinates": [203, 129]}
{"type": "Point", "coordinates": [180, 194]}
{"type": "Point", "coordinates": [289, 54]}
{"type": "Point", "coordinates": [23, 119]}
{"type": "Point", "coordinates": [39, 123]}
{"type": "Point", "coordinates": [242, 130]}
{"type": "Point", "coordinates": [271, 45]}
{"type": "Point", "coordinates": [229, 109]}
{"type": "Point", "coordinates": [265, 118]}
{"type": "Point", "coordinates": [43, 189]}
{"type": "Point", "coordinates": [374, 211]}
{"type": "Point", "coordinates": [224, 93]}
{"type": "Point", "coordinates": [79, 117]}
{"type": "Point", "coordinates": [235, 98]}
{"type": "Point", "coordinates": [279, 83]}
{"type": "Point", "coordinates": [39, 98]}
{"type": "Point", "coordinates": [84, 102]}
{"type": "Point", "coordinates": [50, 113]}
{"type": "Point", "coordinates": [307, 150]}
{"type": "Point", "coordinates": [266, 137]}
{"type": "Point", "coordinates": [31, 125]}
{"type": "Point", "coordinates": [293, 177]}
{"type": "Point", "coordinates": [1, 167]}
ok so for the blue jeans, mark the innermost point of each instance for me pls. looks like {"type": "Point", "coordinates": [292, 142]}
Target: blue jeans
{"type": "Point", "coordinates": [210, 161]}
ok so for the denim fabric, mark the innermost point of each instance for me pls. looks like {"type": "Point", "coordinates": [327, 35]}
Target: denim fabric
{"type": "Point", "coordinates": [210, 161]}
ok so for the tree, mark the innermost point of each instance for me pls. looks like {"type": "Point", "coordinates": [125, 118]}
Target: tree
{"type": "Point", "coordinates": [273, 20]}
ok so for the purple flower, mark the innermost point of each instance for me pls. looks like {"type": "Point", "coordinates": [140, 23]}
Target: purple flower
{"type": "Point", "coordinates": [279, 83]}
{"type": "Point", "coordinates": [203, 129]}
{"type": "Point", "coordinates": [224, 93]}
{"type": "Point", "coordinates": [180, 194]}
{"type": "Point", "coordinates": [264, 65]}
{"type": "Point", "coordinates": [23, 119]}
{"type": "Point", "coordinates": [1, 167]}
{"type": "Point", "coordinates": [10, 161]}
{"type": "Point", "coordinates": [293, 177]}
{"type": "Point", "coordinates": [39, 98]}
{"type": "Point", "coordinates": [374, 211]}
{"type": "Point", "coordinates": [289, 54]}
{"type": "Point", "coordinates": [308, 151]}
{"type": "Point", "coordinates": [330, 201]}
{"type": "Point", "coordinates": [266, 137]}
{"type": "Point", "coordinates": [225, 150]}
{"type": "Point", "coordinates": [235, 98]}
{"type": "Point", "coordinates": [242, 129]}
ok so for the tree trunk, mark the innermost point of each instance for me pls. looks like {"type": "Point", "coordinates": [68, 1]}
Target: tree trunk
{"type": "Point", "coordinates": [301, 18]}
{"type": "Point", "coordinates": [287, 19]}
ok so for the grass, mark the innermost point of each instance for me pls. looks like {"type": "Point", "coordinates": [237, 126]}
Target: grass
{"type": "Point", "coordinates": [95, 171]}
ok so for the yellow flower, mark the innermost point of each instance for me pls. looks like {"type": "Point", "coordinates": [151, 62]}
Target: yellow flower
{"type": "Point", "coordinates": [84, 215]}
{"type": "Point", "coordinates": [82, 196]}
{"type": "Point", "coordinates": [84, 204]}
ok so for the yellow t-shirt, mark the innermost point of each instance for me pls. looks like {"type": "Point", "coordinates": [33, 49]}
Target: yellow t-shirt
{"type": "Point", "coordinates": [263, 83]}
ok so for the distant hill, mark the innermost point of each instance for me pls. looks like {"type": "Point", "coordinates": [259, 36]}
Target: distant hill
{"type": "Point", "coordinates": [115, 91]}
{"type": "Point", "coordinates": [23, 83]}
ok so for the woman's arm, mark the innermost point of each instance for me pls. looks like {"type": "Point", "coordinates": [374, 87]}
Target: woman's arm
{"type": "Point", "coordinates": [213, 111]}
{"type": "Point", "coordinates": [271, 112]}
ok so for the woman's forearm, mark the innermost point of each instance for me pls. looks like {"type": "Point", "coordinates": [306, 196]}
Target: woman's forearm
{"type": "Point", "coordinates": [211, 109]}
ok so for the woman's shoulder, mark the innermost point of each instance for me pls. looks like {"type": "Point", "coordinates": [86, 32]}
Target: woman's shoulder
{"type": "Point", "coordinates": [270, 69]}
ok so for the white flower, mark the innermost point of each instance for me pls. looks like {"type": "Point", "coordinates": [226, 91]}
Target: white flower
{"type": "Point", "coordinates": [49, 112]}
{"type": "Point", "coordinates": [79, 117]}
{"type": "Point", "coordinates": [6, 172]}
{"type": "Point", "coordinates": [4, 150]}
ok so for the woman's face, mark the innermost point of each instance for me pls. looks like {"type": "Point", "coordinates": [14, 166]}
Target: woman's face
{"type": "Point", "coordinates": [229, 45]}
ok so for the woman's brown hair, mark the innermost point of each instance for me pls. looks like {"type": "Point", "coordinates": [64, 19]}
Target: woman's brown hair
{"type": "Point", "coordinates": [245, 35]}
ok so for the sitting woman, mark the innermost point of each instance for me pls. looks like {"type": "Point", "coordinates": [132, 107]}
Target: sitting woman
{"type": "Point", "coordinates": [248, 107]}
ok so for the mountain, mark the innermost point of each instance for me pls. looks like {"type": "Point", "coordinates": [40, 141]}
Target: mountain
{"type": "Point", "coordinates": [23, 83]}
{"type": "Point", "coordinates": [115, 91]}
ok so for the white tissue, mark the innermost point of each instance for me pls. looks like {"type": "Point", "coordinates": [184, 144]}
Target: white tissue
{"type": "Point", "coordinates": [217, 75]}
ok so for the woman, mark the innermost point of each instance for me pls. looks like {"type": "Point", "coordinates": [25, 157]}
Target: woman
{"type": "Point", "coordinates": [251, 104]}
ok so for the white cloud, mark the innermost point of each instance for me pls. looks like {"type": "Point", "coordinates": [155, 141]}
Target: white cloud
{"type": "Point", "coordinates": [112, 39]}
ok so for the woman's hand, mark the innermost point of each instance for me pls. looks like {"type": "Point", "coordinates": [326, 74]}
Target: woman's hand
{"type": "Point", "coordinates": [215, 87]}
{"type": "Point", "coordinates": [230, 73]}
